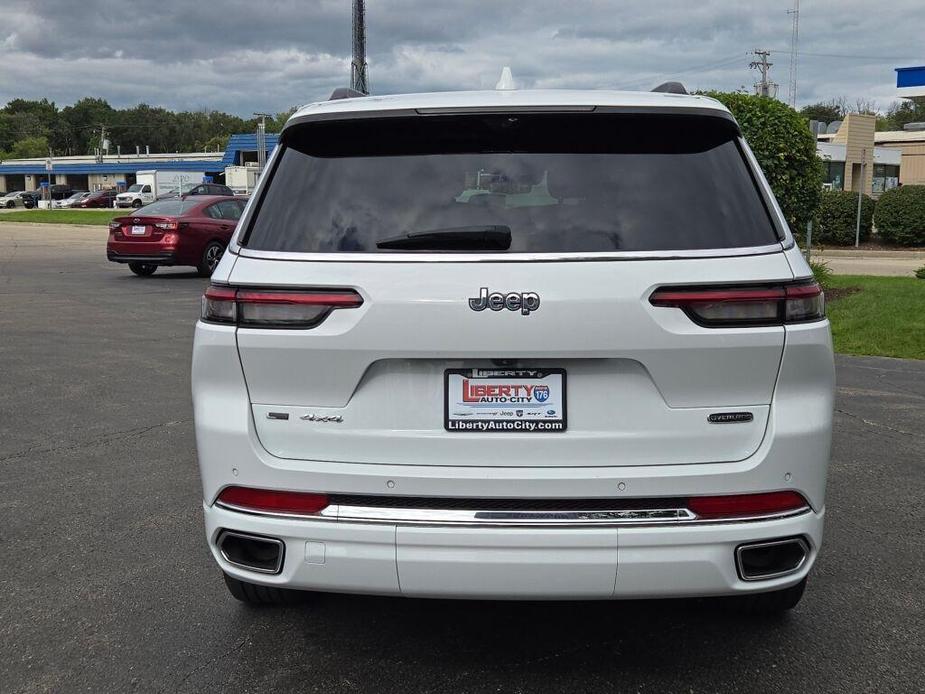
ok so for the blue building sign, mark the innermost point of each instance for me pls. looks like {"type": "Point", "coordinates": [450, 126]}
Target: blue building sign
{"type": "Point", "coordinates": [910, 81]}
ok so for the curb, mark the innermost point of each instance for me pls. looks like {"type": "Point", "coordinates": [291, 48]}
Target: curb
{"type": "Point", "coordinates": [869, 255]}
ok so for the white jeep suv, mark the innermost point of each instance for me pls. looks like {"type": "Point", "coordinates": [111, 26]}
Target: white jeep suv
{"type": "Point", "coordinates": [514, 345]}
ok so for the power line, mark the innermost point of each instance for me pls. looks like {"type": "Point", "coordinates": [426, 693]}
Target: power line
{"type": "Point", "coordinates": [850, 56]}
{"type": "Point", "coordinates": [695, 68]}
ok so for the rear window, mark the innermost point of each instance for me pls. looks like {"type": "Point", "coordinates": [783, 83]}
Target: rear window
{"type": "Point", "coordinates": [559, 183]}
{"type": "Point", "coordinates": [165, 208]}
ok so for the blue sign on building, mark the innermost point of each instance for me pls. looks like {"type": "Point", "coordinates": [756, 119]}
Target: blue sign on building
{"type": "Point", "coordinates": [910, 81]}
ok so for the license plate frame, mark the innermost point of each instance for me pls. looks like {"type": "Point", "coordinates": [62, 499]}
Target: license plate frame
{"type": "Point", "coordinates": [139, 230]}
{"type": "Point", "coordinates": [536, 416]}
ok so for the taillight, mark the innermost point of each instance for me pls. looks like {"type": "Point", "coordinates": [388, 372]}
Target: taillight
{"type": "Point", "coordinates": [266, 308]}
{"type": "Point", "coordinates": [273, 501]}
{"type": "Point", "coordinates": [747, 505]}
{"type": "Point", "coordinates": [115, 225]}
{"type": "Point", "coordinates": [745, 306]}
{"type": "Point", "coordinates": [167, 225]}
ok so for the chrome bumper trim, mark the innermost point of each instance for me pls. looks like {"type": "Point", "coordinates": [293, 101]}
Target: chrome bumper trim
{"type": "Point", "coordinates": [516, 518]}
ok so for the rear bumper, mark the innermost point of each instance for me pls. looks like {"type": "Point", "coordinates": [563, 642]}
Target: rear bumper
{"type": "Point", "coordinates": [657, 561]}
{"type": "Point", "coordinates": [154, 258]}
{"type": "Point", "coordinates": [641, 561]}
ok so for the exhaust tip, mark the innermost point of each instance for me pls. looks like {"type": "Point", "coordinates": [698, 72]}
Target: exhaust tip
{"type": "Point", "coordinates": [252, 552]}
{"type": "Point", "coordinates": [761, 561]}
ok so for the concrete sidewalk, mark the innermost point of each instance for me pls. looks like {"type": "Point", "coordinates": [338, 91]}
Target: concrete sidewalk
{"type": "Point", "coordinates": [843, 261]}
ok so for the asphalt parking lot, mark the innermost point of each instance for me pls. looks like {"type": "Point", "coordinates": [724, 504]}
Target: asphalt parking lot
{"type": "Point", "coordinates": [106, 583]}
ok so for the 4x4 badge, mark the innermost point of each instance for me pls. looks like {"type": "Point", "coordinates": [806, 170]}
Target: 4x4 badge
{"type": "Point", "coordinates": [322, 417]}
{"type": "Point", "coordinates": [525, 302]}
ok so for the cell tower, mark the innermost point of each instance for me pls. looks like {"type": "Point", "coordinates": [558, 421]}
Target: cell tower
{"type": "Point", "coordinates": [359, 70]}
{"type": "Point", "coordinates": [794, 40]}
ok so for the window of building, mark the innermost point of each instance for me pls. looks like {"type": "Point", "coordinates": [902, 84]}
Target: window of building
{"type": "Point", "coordinates": [833, 174]}
{"type": "Point", "coordinates": [886, 176]}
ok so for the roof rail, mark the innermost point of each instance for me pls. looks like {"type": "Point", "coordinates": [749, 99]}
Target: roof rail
{"type": "Point", "coordinates": [345, 93]}
{"type": "Point", "coordinates": [671, 88]}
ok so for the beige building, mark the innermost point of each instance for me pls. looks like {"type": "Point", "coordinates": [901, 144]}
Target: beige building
{"type": "Point", "coordinates": [911, 145]}
{"type": "Point", "coordinates": [856, 160]}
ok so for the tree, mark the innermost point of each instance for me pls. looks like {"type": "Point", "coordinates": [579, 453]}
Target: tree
{"type": "Point", "coordinates": [826, 111]}
{"type": "Point", "coordinates": [217, 143]}
{"type": "Point", "coordinates": [29, 148]}
{"type": "Point", "coordinates": [785, 149]}
{"type": "Point", "coordinates": [901, 112]}
{"type": "Point", "coordinates": [75, 129]}
{"type": "Point", "coordinates": [78, 133]}
{"type": "Point", "coordinates": [866, 106]}
{"type": "Point", "coordinates": [275, 124]}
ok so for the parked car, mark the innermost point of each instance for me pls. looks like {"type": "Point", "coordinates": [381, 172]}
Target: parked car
{"type": "Point", "coordinates": [72, 200]}
{"type": "Point", "coordinates": [55, 192]}
{"type": "Point", "coordinates": [199, 189]}
{"type": "Point", "coordinates": [99, 198]}
{"type": "Point", "coordinates": [209, 189]}
{"type": "Point", "coordinates": [606, 375]}
{"type": "Point", "coordinates": [13, 199]}
{"type": "Point", "coordinates": [59, 191]}
{"type": "Point", "coordinates": [174, 232]}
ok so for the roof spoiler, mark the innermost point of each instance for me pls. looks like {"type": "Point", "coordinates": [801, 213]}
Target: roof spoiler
{"type": "Point", "coordinates": [671, 88]}
{"type": "Point", "coordinates": [345, 93]}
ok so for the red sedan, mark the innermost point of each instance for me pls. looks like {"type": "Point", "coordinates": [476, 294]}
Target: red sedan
{"type": "Point", "coordinates": [99, 198]}
{"type": "Point", "coordinates": [193, 231]}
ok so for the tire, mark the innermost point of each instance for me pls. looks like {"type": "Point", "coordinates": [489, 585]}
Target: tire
{"type": "Point", "coordinates": [210, 257]}
{"type": "Point", "coordinates": [10, 205]}
{"type": "Point", "coordinates": [775, 602]}
{"type": "Point", "coordinates": [142, 269]}
{"type": "Point", "coordinates": [253, 594]}
{"type": "Point", "coordinates": [136, 204]}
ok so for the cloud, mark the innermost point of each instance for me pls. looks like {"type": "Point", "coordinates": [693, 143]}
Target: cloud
{"type": "Point", "coordinates": [242, 55]}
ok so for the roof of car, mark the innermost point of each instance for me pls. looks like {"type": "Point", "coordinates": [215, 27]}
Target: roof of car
{"type": "Point", "coordinates": [514, 99]}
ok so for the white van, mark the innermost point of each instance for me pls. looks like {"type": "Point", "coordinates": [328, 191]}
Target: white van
{"type": "Point", "coordinates": [150, 185]}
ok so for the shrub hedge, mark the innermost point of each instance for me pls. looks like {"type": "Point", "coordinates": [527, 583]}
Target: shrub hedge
{"type": "Point", "coordinates": [900, 216]}
{"type": "Point", "coordinates": [836, 218]}
{"type": "Point", "coordinates": [785, 149]}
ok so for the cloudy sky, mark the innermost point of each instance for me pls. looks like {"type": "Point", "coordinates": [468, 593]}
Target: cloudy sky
{"type": "Point", "coordinates": [253, 55]}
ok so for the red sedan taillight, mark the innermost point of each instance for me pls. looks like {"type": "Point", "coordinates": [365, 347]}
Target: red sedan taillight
{"type": "Point", "coordinates": [745, 306]}
{"type": "Point", "coordinates": [272, 501]}
{"type": "Point", "coordinates": [266, 308]}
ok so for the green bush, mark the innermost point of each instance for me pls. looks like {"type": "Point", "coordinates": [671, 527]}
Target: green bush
{"type": "Point", "coordinates": [900, 216]}
{"type": "Point", "coordinates": [822, 273]}
{"type": "Point", "coordinates": [785, 149]}
{"type": "Point", "coordinates": [920, 273]}
{"type": "Point", "coordinates": [836, 218]}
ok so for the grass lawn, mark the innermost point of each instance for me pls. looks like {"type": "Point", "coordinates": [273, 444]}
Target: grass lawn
{"type": "Point", "coordinates": [63, 216]}
{"type": "Point", "coordinates": [884, 317]}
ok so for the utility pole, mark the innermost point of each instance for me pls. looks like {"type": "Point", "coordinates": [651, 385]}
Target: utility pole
{"type": "Point", "coordinates": [794, 41]}
{"type": "Point", "coordinates": [99, 153]}
{"type": "Point", "coordinates": [764, 87]}
{"type": "Point", "coordinates": [359, 70]}
{"type": "Point", "coordinates": [262, 141]}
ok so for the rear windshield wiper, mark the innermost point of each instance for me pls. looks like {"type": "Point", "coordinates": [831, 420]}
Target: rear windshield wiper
{"type": "Point", "coordinates": [471, 238]}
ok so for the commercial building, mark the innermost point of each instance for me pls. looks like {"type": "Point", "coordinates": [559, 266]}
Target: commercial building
{"type": "Point", "coordinates": [854, 160]}
{"type": "Point", "coordinates": [119, 170]}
